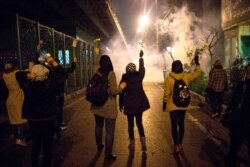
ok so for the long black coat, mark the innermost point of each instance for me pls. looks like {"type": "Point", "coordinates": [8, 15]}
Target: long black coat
{"type": "Point", "coordinates": [133, 97]}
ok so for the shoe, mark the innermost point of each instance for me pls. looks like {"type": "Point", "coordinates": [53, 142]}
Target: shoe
{"type": "Point", "coordinates": [63, 124]}
{"type": "Point", "coordinates": [21, 142]}
{"type": "Point", "coordinates": [176, 149]}
{"type": "Point", "coordinates": [180, 147]}
{"type": "Point", "coordinates": [63, 127]}
{"type": "Point", "coordinates": [110, 157]}
{"type": "Point", "coordinates": [215, 115]}
{"type": "Point", "coordinates": [100, 147]}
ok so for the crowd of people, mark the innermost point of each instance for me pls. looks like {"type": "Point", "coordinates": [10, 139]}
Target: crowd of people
{"type": "Point", "coordinates": [35, 98]}
{"type": "Point", "coordinates": [34, 102]}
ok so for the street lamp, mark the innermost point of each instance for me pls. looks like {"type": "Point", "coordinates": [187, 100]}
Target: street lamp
{"type": "Point", "coordinates": [143, 22]}
{"type": "Point", "coordinates": [170, 51]}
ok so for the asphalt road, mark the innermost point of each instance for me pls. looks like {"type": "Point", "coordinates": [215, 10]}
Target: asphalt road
{"type": "Point", "coordinates": [205, 141]}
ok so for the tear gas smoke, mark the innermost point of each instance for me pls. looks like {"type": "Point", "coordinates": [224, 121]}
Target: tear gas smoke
{"type": "Point", "coordinates": [185, 32]}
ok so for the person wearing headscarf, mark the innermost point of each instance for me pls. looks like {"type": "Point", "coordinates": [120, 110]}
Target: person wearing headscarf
{"type": "Point", "coordinates": [240, 126]}
{"type": "Point", "coordinates": [217, 85]}
{"type": "Point", "coordinates": [108, 112]}
{"type": "Point", "coordinates": [133, 100]}
{"type": "Point", "coordinates": [177, 114]}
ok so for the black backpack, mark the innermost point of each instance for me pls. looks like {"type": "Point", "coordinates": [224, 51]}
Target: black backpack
{"type": "Point", "coordinates": [181, 94]}
{"type": "Point", "coordinates": [97, 90]}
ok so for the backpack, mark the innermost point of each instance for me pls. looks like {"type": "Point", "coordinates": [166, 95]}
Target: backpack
{"type": "Point", "coordinates": [181, 94]}
{"type": "Point", "coordinates": [97, 90]}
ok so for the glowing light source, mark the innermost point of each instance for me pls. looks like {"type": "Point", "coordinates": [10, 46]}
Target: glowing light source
{"type": "Point", "coordinates": [108, 49]}
{"type": "Point", "coordinates": [169, 49]}
{"type": "Point", "coordinates": [144, 20]}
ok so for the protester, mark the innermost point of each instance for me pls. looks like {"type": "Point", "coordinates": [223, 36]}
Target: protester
{"type": "Point", "coordinates": [133, 100]}
{"type": "Point", "coordinates": [217, 85]}
{"type": "Point", "coordinates": [240, 129]}
{"type": "Point", "coordinates": [108, 112]}
{"type": "Point", "coordinates": [40, 108]}
{"type": "Point", "coordinates": [177, 114]}
{"type": "Point", "coordinates": [60, 90]}
{"type": "Point", "coordinates": [14, 102]}
{"type": "Point", "coordinates": [3, 90]}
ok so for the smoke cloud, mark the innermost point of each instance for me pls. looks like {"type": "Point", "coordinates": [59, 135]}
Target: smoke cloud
{"type": "Point", "coordinates": [184, 31]}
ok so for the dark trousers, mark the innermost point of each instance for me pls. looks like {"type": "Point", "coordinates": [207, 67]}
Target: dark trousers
{"type": "Point", "coordinates": [60, 103]}
{"type": "Point", "coordinates": [42, 138]}
{"type": "Point", "coordinates": [138, 118]}
{"type": "Point", "coordinates": [59, 117]}
{"type": "Point", "coordinates": [237, 136]}
{"type": "Point", "coordinates": [177, 125]}
{"type": "Point", "coordinates": [110, 130]}
{"type": "Point", "coordinates": [216, 99]}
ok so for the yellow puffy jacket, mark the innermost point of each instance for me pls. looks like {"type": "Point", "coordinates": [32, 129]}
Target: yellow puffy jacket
{"type": "Point", "coordinates": [187, 77]}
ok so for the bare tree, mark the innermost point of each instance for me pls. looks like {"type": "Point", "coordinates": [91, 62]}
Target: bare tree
{"type": "Point", "coordinates": [211, 39]}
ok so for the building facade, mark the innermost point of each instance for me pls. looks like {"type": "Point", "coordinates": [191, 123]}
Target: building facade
{"type": "Point", "coordinates": [236, 26]}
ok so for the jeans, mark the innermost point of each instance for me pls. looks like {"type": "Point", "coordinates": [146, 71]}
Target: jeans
{"type": "Point", "coordinates": [110, 130]}
{"type": "Point", "coordinates": [177, 125]}
{"type": "Point", "coordinates": [138, 118]}
{"type": "Point", "coordinates": [42, 138]}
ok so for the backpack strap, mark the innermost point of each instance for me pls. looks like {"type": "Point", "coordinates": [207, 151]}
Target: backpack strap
{"type": "Point", "coordinates": [175, 78]}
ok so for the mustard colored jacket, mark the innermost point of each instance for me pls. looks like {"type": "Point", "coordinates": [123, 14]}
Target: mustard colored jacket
{"type": "Point", "coordinates": [187, 77]}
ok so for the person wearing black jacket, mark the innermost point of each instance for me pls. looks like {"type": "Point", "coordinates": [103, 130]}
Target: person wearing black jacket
{"type": "Point", "coordinates": [133, 100]}
{"type": "Point", "coordinates": [240, 127]}
{"type": "Point", "coordinates": [40, 107]}
{"type": "Point", "coordinates": [3, 90]}
{"type": "Point", "coordinates": [60, 81]}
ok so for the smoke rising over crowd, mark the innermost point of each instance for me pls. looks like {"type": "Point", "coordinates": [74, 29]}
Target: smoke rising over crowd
{"type": "Point", "coordinates": [181, 29]}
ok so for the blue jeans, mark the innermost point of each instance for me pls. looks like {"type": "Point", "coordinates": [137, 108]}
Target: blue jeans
{"type": "Point", "coordinates": [110, 130]}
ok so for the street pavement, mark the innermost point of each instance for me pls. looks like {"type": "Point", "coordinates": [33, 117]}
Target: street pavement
{"type": "Point", "coordinates": [205, 141]}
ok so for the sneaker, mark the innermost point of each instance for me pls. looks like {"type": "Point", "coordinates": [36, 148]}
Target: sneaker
{"type": "Point", "coordinates": [110, 157]}
{"type": "Point", "coordinates": [21, 142]}
{"type": "Point", "coordinates": [176, 149]}
{"type": "Point", "coordinates": [63, 127]}
{"type": "Point", "coordinates": [180, 147]}
{"type": "Point", "coordinates": [63, 124]}
{"type": "Point", "coordinates": [215, 115]}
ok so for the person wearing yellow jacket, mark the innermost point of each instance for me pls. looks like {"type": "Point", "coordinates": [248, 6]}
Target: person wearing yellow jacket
{"type": "Point", "coordinates": [177, 114]}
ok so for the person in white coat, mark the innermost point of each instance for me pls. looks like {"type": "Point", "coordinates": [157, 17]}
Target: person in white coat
{"type": "Point", "coordinates": [14, 102]}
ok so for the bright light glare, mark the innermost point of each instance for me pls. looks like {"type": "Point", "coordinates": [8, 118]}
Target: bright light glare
{"type": "Point", "coordinates": [144, 20]}
{"type": "Point", "coordinates": [108, 49]}
{"type": "Point", "coordinates": [169, 49]}
{"type": "Point", "coordinates": [139, 30]}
